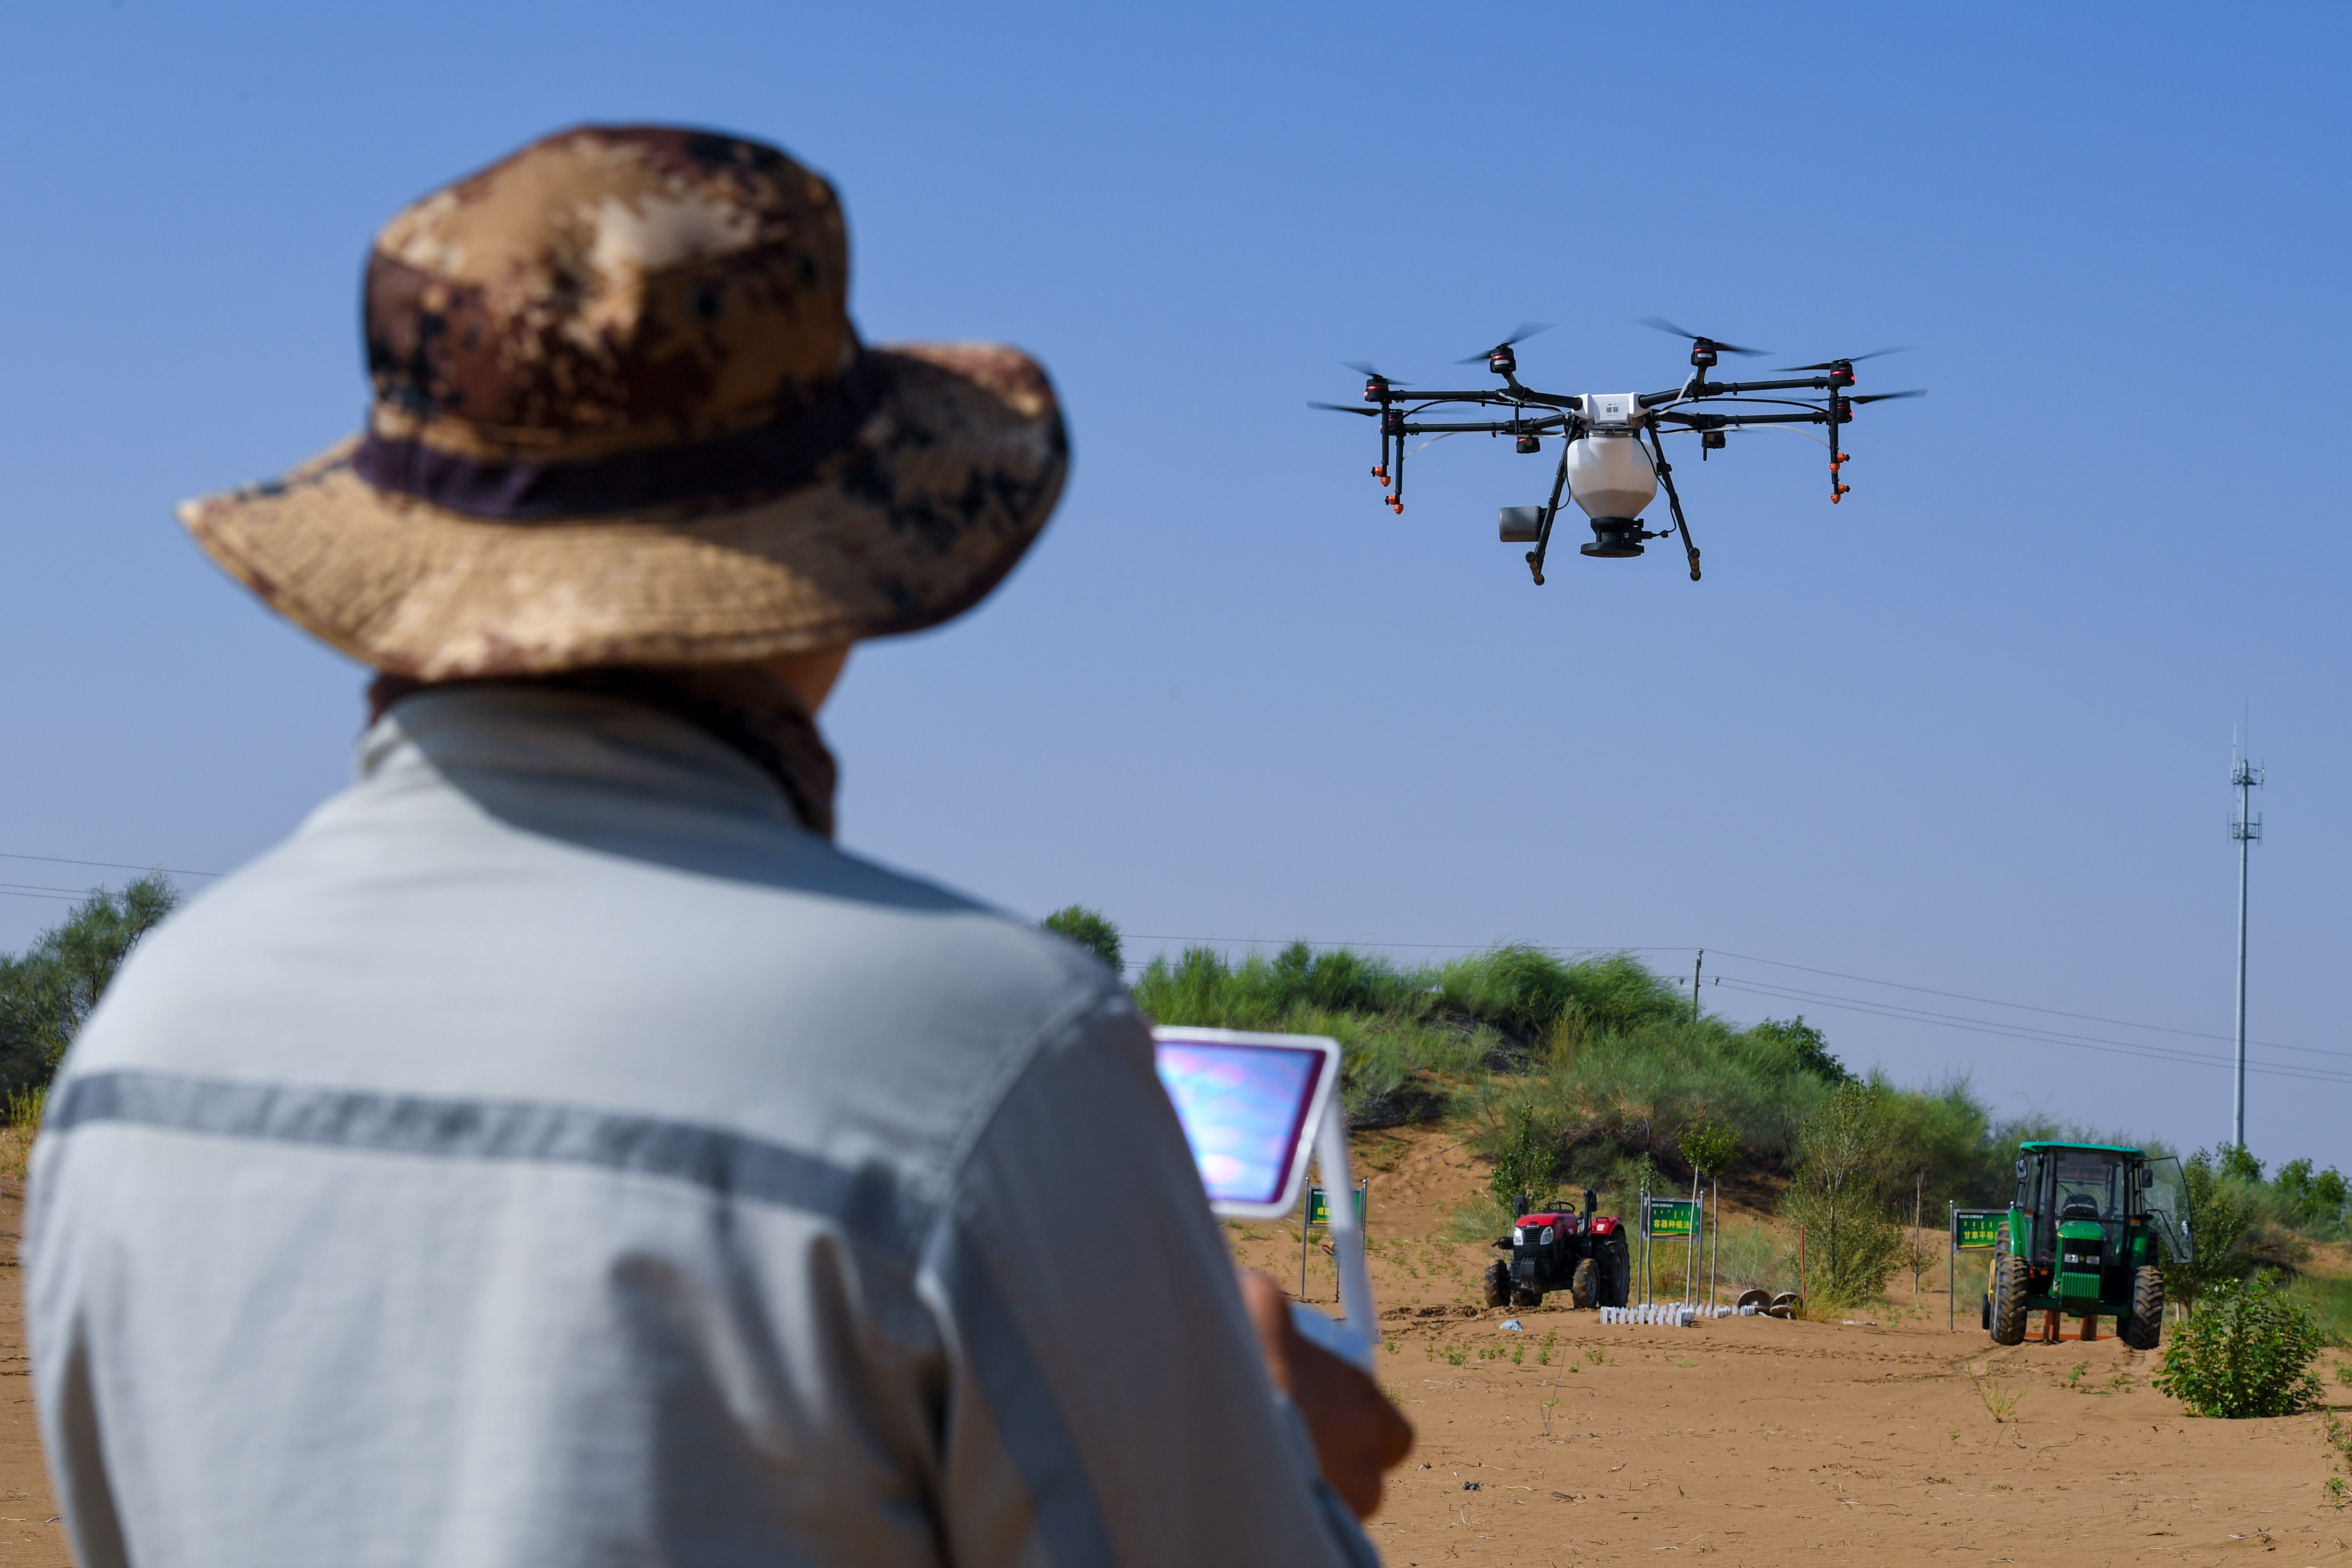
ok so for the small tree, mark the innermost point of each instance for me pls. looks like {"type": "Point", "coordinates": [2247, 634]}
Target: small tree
{"type": "Point", "coordinates": [48, 991]}
{"type": "Point", "coordinates": [1837, 1196]}
{"type": "Point", "coordinates": [1707, 1146]}
{"type": "Point", "coordinates": [2247, 1351]}
{"type": "Point", "coordinates": [1090, 930]}
{"type": "Point", "coordinates": [1525, 1156]}
{"type": "Point", "coordinates": [2220, 1219]}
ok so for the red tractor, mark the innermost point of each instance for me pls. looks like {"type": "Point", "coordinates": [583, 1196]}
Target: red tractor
{"type": "Point", "coordinates": [1585, 1255]}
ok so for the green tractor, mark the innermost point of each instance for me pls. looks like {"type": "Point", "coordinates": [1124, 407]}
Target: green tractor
{"type": "Point", "coordinates": [2084, 1231]}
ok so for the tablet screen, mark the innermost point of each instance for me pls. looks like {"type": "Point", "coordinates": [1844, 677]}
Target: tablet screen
{"type": "Point", "coordinates": [1246, 1109]}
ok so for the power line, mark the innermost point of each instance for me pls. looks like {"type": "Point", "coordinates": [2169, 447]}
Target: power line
{"type": "Point", "coordinates": [2023, 1006]}
{"type": "Point", "coordinates": [110, 865]}
{"type": "Point", "coordinates": [2040, 1037]}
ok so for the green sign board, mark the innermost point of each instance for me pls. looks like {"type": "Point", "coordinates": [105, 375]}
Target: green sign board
{"type": "Point", "coordinates": [1319, 1206]}
{"type": "Point", "coordinates": [1672, 1217]}
{"type": "Point", "coordinates": [1977, 1230]}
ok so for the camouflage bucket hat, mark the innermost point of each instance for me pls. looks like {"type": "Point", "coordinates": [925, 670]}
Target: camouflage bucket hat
{"type": "Point", "coordinates": [622, 418]}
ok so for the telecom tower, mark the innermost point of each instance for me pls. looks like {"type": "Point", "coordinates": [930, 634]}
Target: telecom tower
{"type": "Point", "coordinates": [2247, 830]}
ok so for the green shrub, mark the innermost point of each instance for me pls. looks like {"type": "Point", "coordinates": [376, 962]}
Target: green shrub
{"type": "Point", "coordinates": [1090, 930]}
{"type": "Point", "coordinates": [2246, 1350]}
{"type": "Point", "coordinates": [1524, 1161]}
{"type": "Point", "coordinates": [46, 992]}
{"type": "Point", "coordinates": [1852, 1241]}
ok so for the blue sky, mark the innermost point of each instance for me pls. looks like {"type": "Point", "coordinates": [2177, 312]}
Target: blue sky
{"type": "Point", "coordinates": [1967, 731]}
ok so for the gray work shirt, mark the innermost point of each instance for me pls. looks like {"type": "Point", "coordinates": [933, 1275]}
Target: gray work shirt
{"type": "Point", "coordinates": [552, 1154]}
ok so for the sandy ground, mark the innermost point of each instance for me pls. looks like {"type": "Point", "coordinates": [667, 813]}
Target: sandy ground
{"type": "Point", "coordinates": [1570, 1443]}
{"type": "Point", "coordinates": [1566, 1443]}
{"type": "Point", "coordinates": [30, 1530]}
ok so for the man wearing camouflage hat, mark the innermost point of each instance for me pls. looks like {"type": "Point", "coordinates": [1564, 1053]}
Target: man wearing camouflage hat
{"type": "Point", "coordinates": [556, 1150]}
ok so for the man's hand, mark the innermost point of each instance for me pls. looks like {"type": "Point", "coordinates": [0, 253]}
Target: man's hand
{"type": "Point", "coordinates": [1358, 1435]}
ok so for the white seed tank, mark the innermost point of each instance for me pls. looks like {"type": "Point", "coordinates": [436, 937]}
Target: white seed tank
{"type": "Point", "coordinates": [1610, 476]}
{"type": "Point", "coordinates": [1609, 473]}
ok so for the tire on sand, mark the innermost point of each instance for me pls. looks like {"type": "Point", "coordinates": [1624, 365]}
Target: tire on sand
{"type": "Point", "coordinates": [1581, 1283]}
{"type": "Point", "coordinates": [1616, 1283]}
{"type": "Point", "coordinates": [2009, 1301]}
{"type": "Point", "coordinates": [2146, 1325]}
{"type": "Point", "coordinates": [1498, 1284]}
{"type": "Point", "coordinates": [1527, 1301]}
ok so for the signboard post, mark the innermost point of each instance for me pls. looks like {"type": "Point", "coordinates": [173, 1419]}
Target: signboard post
{"type": "Point", "coordinates": [1675, 1219]}
{"type": "Point", "coordinates": [1973, 1230]}
{"type": "Point", "coordinates": [1318, 1216]}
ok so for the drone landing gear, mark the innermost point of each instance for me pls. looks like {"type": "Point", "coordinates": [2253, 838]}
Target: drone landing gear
{"type": "Point", "coordinates": [1666, 477]}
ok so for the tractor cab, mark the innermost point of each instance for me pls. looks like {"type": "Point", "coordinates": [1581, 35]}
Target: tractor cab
{"type": "Point", "coordinates": [2088, 1226]}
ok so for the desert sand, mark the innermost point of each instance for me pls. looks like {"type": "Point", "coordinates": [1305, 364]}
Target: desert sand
{"type": "Point", "coordinates": [1570, 1443]}
{"type": "Point", "coordinates": [1787, 1442]}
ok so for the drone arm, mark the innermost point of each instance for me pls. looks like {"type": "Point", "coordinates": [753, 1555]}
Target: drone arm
{"type": "Point", "coordinates": [1722, 421]}
{"type": "Point", "coordinates": [1494, 427]}
{"type": "Point", "coordinates": [1666, 477]}
{"type": "Point", "coordinates": [1552, 510]}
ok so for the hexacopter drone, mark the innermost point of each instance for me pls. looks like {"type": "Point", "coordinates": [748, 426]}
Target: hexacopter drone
{"type": "Point", "coordinates": [1603, 464]}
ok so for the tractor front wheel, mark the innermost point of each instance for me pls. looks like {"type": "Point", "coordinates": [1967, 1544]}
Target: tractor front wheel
{"type": "Point", "coordinates": [2146, 1324]}
{"type": "Point", "coordinates": [1527, 1301]}
{"type": "Point", "coordinates": [1498, 1284]}
{"type": "Point", "coordinates": [1581, 1283]}
{"type": "Point", "coordinates": [2009, 1281]}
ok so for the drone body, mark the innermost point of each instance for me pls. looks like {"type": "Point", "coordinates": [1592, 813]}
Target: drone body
{"type": "Point", "coordinates": [1612, 460]}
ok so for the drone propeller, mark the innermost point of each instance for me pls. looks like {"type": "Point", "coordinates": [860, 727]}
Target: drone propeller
{"type": "Point", "coordinates": [1883, 396]}
{"type": "Point", "coordinates": [1343, 408]}
{"type": "Point", "coordinates": [1520, 334]}
{"type": "Point", "coordinates": [1360, 368]}
{"type": "Point", "coordinates": [1850, 359]}
{"type": "Point", "coordinates": [1661, 324]}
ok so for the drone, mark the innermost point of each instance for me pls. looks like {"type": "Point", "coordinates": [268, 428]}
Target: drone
{"type": "Point", "coordinates": [1604, 466]}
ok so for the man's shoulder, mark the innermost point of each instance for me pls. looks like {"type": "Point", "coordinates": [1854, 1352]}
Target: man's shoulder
{"type": "Point", "coordinates": [709, 975]}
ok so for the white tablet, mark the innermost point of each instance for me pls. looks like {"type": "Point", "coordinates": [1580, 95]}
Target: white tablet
{"type": "Point", "coordinates": [1254, 1107]}
{"type": "Point", "coordinates": [1249, 1104]}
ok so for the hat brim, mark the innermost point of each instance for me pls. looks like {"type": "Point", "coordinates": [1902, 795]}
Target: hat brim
{"type": "Point", "coordinates": [941, 491]}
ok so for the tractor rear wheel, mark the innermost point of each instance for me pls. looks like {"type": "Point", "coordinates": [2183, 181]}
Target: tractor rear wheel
{"type": "Point", "coordinates": [2009, 1281]}
{"type": "Point", "coordinates": [1581, 1283]}
{"type": "Point", "coordinates": [1498, 1284]}
{"type": "Point", "coordinates": [2146, 1325]}
{"type": "Point", "coordinates": [1616, 1271]}
{"type": "Point", "coordinates": [1527, 1301]}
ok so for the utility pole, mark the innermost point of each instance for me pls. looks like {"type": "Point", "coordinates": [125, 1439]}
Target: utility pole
{"type": "Point", "coordinates": [1696, 966]}
{"type": "Point", "coordinates": [2247, 830]}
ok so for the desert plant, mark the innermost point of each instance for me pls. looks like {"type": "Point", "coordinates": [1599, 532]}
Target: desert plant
{"type": "Point", "coordinates": [1837, 1198]}
{"type": "Point", "coordinates": [1751, 1260]}
{"type": "Point", "coordinates": [1707, 1146]}
{"type": "Point", "coordinates": [2246, 1350]}
{"type": "Point", "coordinates": [1090, 930]}
{"type": "Point", "coordinates": [2220, 1216]}
{"type": "Point", "coordinates": [1999, 1399]}
{"type": "Point", "coordinates": [1523, 1160]}
{"type": "Point", "coordinates": [47, 992]}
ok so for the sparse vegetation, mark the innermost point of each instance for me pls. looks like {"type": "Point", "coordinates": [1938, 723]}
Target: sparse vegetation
{"type": "Point", "coordinates": [2000, 1398]}
{"type": "Point", "coordinates": [1090, 930]}
{"type": "Point", "coordinates": [2246, 1350]}
{"type": "Point", "coordinates": [49, 990]}
{"type": "Point", "coordinates": [1594, 1073]}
